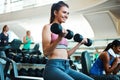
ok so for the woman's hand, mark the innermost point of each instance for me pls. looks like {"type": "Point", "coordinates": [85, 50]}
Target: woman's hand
{"type": "Point", "coordinates": [63, 34]}
{"type": "Point", "coordinates": [84, 41]}
{"type": "Point", "coordinates": [118, 60]}
{"type": "Point", "coordinates": [116, 70]}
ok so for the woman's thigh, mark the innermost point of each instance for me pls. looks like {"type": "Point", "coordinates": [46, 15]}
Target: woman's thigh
{"type": "Point", "coordinates": [55, 74]}
{"type": "Point", "coordinates": [78, 75]}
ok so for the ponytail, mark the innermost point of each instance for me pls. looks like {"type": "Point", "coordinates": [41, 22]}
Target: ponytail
{"type": "Point", "coordinates": [115, 43]}
{"type": "Point", "coordinates": [108, 47]}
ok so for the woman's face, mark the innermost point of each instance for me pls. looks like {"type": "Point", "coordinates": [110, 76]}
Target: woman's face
{"type": "Point", "coordinates": [28, 33]}
{"type": "Point", "coordinates": [6, 29]}
{"type": "Point", "coordinates": [117, 49]}
{"type": "Point", "coordinates": [62, 15]}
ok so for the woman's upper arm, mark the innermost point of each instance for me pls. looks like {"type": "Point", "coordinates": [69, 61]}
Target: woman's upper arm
{"type": "Point", "coordinates": [24, 39]}
{"type": "Point", "coordinates": [46, 37]}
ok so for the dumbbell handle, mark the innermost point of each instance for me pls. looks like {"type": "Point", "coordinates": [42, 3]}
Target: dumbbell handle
{"type": "Point", "coordinates": [89, 42]}
{"type": "Point", "coordinates": [79, 38]}
{"type": "Point", "coordinates": [69, 34]}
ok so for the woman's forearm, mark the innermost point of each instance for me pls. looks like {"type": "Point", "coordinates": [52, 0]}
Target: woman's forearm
{"type": "Point", "coordinates": [71, 51]}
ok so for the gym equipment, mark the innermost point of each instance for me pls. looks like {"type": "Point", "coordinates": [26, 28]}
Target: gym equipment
{"type": "Point", "coordinates": [34, 59]}
{"type": "Point", "coordinates": [42, 70]}
{"type": "Point", "coordinates": [17, 58]}
{"type": "Point", "coordinates": [26, 58]}
{"type": "Point", "coordinates": [2, 54]}
{"type": "Point", "coordinates": [31, 72]}
{"type": "Point", "coordinates": [15, 46]}
{"type": "Point", "coordinates": [78, 38]}
{"type": "Point", "coordinates": [15, 71]}
{"type": "Point", "coordinates": [69, 34]}
{"type": "Point", "coordinates": [33, 51]}
{"type": "Point", "coordinates": [10, 55]}
{"type": "Point", "coordinates": [89, 43]}
{"type": "Point", "coordinates": [72, 65]}
{"type": "Point", "coordinates": [44, 60]}
{"type": "Point", "coordinates": [57, 29]}
{"type": "Point", "coordinates": [23, 72]}
{"type": "Point", "coordinates": [40, 60]}
{"type": "Point", "coordinates": [38, 73]}
{"type": "Point", "coordinates": [4, 48]}
{"type": "Point", "coordinates": [1, 72]}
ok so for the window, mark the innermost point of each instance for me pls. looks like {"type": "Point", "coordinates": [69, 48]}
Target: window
{"type": "Point", "coordinates": [14, 5]}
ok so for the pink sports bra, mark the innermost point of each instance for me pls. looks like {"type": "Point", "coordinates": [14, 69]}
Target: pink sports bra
{"type": "Point", "coordinates": [62, 44]}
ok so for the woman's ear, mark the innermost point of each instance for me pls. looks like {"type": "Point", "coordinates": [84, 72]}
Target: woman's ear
{"type": "Point", "coordinates": [55, 12]}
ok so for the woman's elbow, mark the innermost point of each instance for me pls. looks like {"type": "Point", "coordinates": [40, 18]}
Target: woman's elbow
{"type": "Point", "coordinates": [108, 72]}
{"type": "Point", "coordinates": [45, 53]}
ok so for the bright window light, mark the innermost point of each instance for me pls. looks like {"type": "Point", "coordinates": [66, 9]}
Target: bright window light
{"type": "Point", "coordinates": [14, 5]}
{"type": "Point", "coordinates": [45, 2]}
{"type": "Point", "coordinates": [79, 25]}
{"type": "Point", "coordinates": [12, 36]}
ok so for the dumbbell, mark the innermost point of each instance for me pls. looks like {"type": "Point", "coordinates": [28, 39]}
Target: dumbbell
{"type": "Point", "coordinates": [57, 29]}
{"type": "Point", "coordinates": [78, 38]}
{"type": "Point", "coordinates": [38, 73]}
{"type": "Point", "coordinates": [23, 72]}
{"type": "Point", "coordinates": [26, 58]}
{"type": "Point", "coordinates": [31, 72]}
{"type": "Point", "coordinates": [34, 59]}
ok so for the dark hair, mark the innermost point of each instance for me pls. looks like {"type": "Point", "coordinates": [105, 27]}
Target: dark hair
{"type": "Point", "coordinates": [56, 6]}
{"type": "Point", "coordinates": [27, 31]}
{"type": "Point", "coordinates": [115, 43]}
{"type": "Point", "coordinates": [4, 27]}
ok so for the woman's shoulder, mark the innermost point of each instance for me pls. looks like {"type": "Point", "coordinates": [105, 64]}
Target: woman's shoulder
{"type": "Point", "coordinates": [104, 54]}
{"type": "Point", "coordinates": [46, 27]}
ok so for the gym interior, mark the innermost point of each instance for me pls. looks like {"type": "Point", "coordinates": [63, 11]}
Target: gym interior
{"type": "Point", "coordinates": [97, 20]}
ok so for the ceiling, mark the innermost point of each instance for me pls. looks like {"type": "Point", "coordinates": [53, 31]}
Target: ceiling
{"type": "Point", "coordinates": [104, 19]}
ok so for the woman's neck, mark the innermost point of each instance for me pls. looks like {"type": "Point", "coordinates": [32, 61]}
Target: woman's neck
{"type": "Point", "coordinates": [5, 33]}
{"type": "Point", "coordinates": [56, 21]}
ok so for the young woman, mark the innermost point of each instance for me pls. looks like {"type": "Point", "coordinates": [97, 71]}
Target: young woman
{"type": "Point", "coordinates": [55, 48]}
{"type": "Point", "coordinates": [27, 40]}
{"type": "Point", "coordinates": [108, 60]}
{"type": "Point", "coordinates": [4, 37]}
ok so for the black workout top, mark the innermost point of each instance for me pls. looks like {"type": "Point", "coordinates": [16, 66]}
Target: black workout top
{"type": "Point", "coordinates": [3, 39]}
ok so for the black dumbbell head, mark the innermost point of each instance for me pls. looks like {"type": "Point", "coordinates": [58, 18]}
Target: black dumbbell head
{"type": "Point", "coordinates": [78, 38]}
{"type": "Point", "coordinates": [23, 72]}
{"type": "Point", "coordinates": [69, 35]}
{"type": "Point", "coordinates": [38, 73]}
{"type": "Point", "coordinates": [56, 28]}
{"type": "Point", "coordinates": [26, 59]}
{"type": "Point", "coordinates": [31, 72]}
{"type": "Point", "coordinates": [89, 42]}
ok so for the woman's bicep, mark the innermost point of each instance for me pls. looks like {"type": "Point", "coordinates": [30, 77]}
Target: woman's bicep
{"type": "Point", "coordinates": [46, 37]}
{"type": "Point", "coordinates": [24, 39]}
